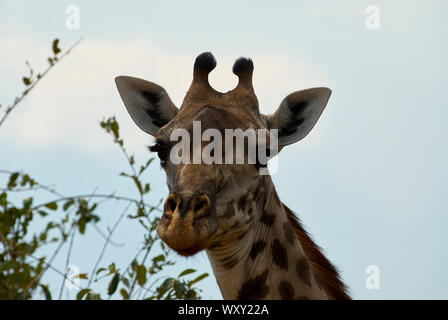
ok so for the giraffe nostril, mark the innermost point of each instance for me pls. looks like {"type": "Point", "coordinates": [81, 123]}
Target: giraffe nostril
{"type": "Point", "coordinates": [198, 206]}
{"type": "Point", "coordinates": [172, 205]}
{"type": "Point", "coordinates": [201, 203]}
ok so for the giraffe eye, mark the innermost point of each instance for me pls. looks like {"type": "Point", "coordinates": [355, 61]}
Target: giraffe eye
{"type": "Point", "coordinates": [162, 156]}
{"type": "Point", "coordinates": [161, 152]}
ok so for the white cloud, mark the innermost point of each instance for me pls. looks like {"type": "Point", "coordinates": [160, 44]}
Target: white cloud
{"type": "Point", "coordinates": [65, 108]}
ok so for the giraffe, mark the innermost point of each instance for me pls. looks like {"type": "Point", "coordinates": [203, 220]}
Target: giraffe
{"type": "Point", "coordinates": [257, 247]}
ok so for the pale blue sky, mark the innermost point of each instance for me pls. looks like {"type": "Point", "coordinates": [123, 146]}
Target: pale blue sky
{"type": "Point", "coordinates": [369, 182]}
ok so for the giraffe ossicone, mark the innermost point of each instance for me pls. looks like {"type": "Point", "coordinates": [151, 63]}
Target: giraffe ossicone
{"type": "Point", "coordinates": [257, 247]}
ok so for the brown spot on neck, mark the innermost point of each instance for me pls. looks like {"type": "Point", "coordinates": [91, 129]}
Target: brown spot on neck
{"type": "Point", "coordinates": [303, 270]}
{"type": "Point", "coordinates": [286, 290]}
{"type": "Point", "coordinates": [257, 248]}
{"type": "Point", "coordinates": [267, 219]}
{"type": "Point", "coordinates": [279, 255]}
{"type": "Point", "coordinates": [289, 233]}
{"type": "Point", "coordinates": [254, 288]}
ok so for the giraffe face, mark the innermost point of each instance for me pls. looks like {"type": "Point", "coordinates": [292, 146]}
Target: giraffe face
{"type": "Point", "coordinates": [201, 205]}
{"type": "Point", "coordinates": [209, 200]}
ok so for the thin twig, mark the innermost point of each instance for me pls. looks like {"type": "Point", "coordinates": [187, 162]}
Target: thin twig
{"type": "Point", "coordinates": [33, 188]}
{"type": "Point", "coordinates": [17, 100]}
{"type": "Point", "coordinates": [101, 233]}
{"type": "Point", "coordinates": [135, 258]}
{"type": "Point", "coordinates": [50, 261]}
{"type": "Point", "coordinates": [36, 186]}
{"type": "Point", "coordinates": [105, 245]}
{"type": "Point", "coordinates": [49, 266]}
{"type": "Point", "coordinates": [142, 263]}
{"type": "Point", "coordinates": [67, 260]}
{"type": "Point", "coordinates": [109, 196]}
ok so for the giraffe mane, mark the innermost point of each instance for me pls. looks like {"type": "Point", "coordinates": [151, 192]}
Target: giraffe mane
{"type": "Point", "coordinates": [327, 273]}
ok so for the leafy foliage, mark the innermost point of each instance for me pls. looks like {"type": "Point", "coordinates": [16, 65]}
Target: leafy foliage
{"type": "Point", "coordinates": [62, 219]}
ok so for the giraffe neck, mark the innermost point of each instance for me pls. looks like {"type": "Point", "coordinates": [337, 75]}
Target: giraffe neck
{"type": "Point", "coordinates": [264, 260]}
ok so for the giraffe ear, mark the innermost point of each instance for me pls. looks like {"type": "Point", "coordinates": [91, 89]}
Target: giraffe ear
{"type": "Point", "coordinates": [147, 103]}
{"type": "Point", "coordinates": [297, 114]}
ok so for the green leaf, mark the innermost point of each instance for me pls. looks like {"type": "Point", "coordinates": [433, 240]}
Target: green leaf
{"type": "Point", "coordinates": [27, 202]}
{"type": "Point", "coordinates": [158, 258]}
{"type": "Point", "coordinates": [115, 129]}
{"type": "Point", "coordinates": [68, 204]}
{"type": "Point", "coordinates": [82, 225]}
{"type": "Point", "coordinates": [180, 289]}
{"type": "Point", "coordinates": [202, 276]}
{"type": "Point", "coordinates": [113, 284]}
{"type": "Point", "coordinates": [46, 292]}
{"type": "Point", "coordinates": [3, 199]}
{"type": "Point", "coordinates": [26, 81]}
{"type": "Point", "coordinates": [25, 178]}
{"type": "Point", "coordinates": [55, 47]}
{"type": "Point", "coordinates": [125, 281]}
{"type": "Point", "coordinates": [166, 285]}
{"type": "Point", "coordinates": [141, 274]}
{"type": "Point", "coordinates": [12, 180]}
{"type": "Point", "coordinates": [82, 293]}
{"type": "Point", "coordinates": [134, 265]}
{"type": "Point", "coordinates": [52, 206]}
{"type": "Point", "coordinates": [93, 296]}
{"type": "Point", "coordinates": [100, 270]}
{"type": "Point", "coordinates": [124, 294]}
{"type": "Point", "coordinates": [112, 268]}
{"type": "Point", "coordinates": [185, 272]}
{"type": "Point", "coordinates": [42, 213]}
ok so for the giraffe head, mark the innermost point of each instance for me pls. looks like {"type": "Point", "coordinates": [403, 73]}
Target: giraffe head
{"type": "Point", "coordinates": [209, 201]}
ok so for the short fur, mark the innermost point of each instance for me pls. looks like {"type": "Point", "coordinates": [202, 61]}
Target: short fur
{"type": "Point", "coordinates": [324, 269]}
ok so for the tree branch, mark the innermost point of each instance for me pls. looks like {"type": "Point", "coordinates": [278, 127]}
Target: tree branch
{"type": "Point", "coordinates": [17, 100]}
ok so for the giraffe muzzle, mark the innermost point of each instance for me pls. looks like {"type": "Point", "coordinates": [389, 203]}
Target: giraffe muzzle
{"type": "Point", "coordinates": [187, 223]}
